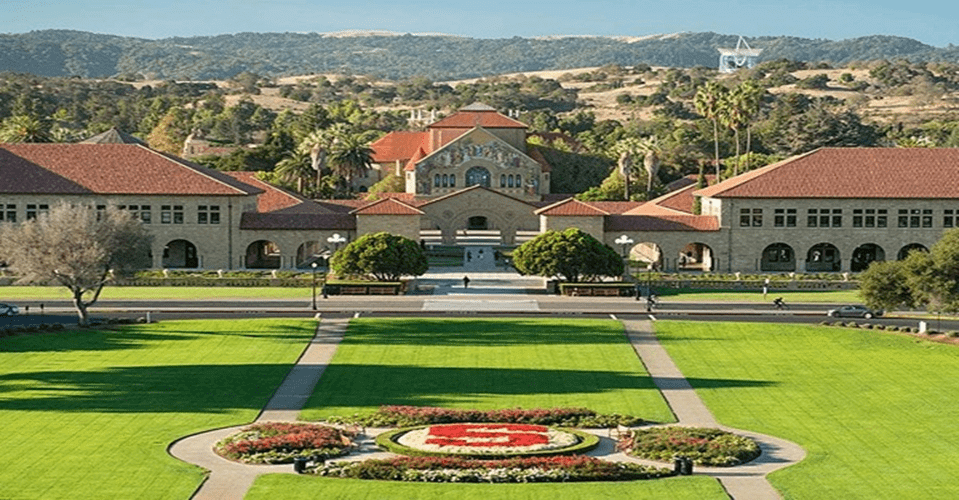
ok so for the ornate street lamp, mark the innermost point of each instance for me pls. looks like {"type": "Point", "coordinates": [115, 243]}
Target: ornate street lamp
{"type": "Point", "coordinates": [313, 266]}
{"type": "Point", "coordinates": [626, 242]}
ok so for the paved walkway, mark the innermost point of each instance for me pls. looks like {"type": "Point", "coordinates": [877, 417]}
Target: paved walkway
{"type": "Point", "coordinates": [743, 482]}
{"type": "Point", "coordinates": [230, 480]}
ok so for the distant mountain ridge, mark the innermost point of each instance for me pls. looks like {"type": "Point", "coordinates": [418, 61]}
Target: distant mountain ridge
{"type": "Point", "coordinates": [394, 56]}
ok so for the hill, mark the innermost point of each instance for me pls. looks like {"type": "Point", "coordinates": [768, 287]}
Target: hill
{"type": "Point", "coordinates": [395, 56]}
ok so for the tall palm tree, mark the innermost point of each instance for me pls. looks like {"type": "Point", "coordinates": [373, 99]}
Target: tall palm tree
{"type": "Point", "coordinates": [296, 167]}
{"type": "Point", "coordinates": [708, 101]}
{"type": "Point", "coordinates": [651, 150]}
{"type": "Point", "coordinates": [751, 96]}
{"type": "Point", "coordinates": [733, 116]}
{"type": "Point", "coordinates": [350, 155]}
{"type": "Point", "coordinates": [24, 128]}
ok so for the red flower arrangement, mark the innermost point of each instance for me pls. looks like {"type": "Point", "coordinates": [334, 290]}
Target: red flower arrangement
{"type": "Point", "coordinates": [488, 435]}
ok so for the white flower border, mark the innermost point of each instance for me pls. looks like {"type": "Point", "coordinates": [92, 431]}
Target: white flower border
{"type": "Point", "coordinates": [416, 439]}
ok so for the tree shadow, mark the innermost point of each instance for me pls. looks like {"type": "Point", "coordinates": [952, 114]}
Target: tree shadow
{"type": "Point", "coordinates": [146, 389]}
{"type": "Point", "coordinates": [357, 385]}
{"type": "Point", "coordinates": [481, 332]}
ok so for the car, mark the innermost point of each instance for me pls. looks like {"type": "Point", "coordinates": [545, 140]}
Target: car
{"type": "Point", "coordinates": [854, 311]}
{"type": "Point", "coordinates": [9, 310]}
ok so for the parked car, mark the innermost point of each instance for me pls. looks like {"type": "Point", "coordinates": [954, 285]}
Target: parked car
{"type": "Point", "coordinates": [9, 310]}
{"type": "Point", "coordinates": [855, 311]}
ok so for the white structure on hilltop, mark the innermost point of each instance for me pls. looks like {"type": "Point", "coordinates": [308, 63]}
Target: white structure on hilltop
{"type": "Point", "coordinates": [742, 56]}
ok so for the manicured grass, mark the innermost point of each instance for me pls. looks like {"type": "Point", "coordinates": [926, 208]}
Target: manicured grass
{"type": "Point", "coordinates": [789, 296]}
{"type": "Point", "coordinates": [21, 293]}
{"type": "Point", "coordinates": [486, 364]}
{"type": "Point", "coordinates": [875, 411]}
{"type": "Point", "coordinates": [303, 488]}
{"type": "Point", "coordinates": [89, 414]}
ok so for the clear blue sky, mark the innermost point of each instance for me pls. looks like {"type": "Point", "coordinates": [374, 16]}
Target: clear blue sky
{"type": "Point", "coordinates": [932, 22]}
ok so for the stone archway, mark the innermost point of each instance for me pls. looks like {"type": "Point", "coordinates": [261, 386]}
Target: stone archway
{"type": "Point", "coordinates": [778, 257]}
{"type": "Point", "coordinates": [180, 253]}
{"type": "Point", "coordinates": [695, 257]}
{"type": "Point", "coordinates": [865, 255]}
{"type": "Point", "coordinates": [647, 252]}
{"type": "Point", "coordinates": [308, 253]}
{"type": "Point", "coordinates": [263, 254]}
{"type": "Point", "coordinates": [904, 251]}
{"type": "Point", "coordinates": [823, 257]}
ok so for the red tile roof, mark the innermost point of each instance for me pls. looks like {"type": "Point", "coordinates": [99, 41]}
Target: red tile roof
{"type": "Point", "coordinates": [389, 206]}
{"type": "Point", "coordinates": [571, 208]}
{"type": "Point", "coordinates": [464, 119]}
{"type": "Point", "coordinates": [273, 198]}
{"type": "Point", "coordinates": [109, 169]}
{"type": "Point", "coordinates": [398, 146]}
{"type": "Point", "coordinates": [850, 173]}
{"type": "Point", "coordinates": [614, 207]}
{"type": "Point", "coordinates": [615, 223]}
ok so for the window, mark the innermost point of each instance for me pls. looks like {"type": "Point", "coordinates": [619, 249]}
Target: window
{"type": "Point", "coordinates": [145, 215]}
{"type": "Point", "coordinates": [101, 209]}
{"type": "Point", "coordinates": [824, 217]}
{"type": "Point", "coordinates": [446, 180]}
{"type": "Point", "coordinates": [208, 214]}
{"type": "Point", "coordinates": [8, 212]}
{"type": "Point", "coordinates": [903, 217]}
{"type": "Point", "coordinates": [751, 217]}
{"type": "Point", "coordinates": [436, 180]}
{"type": "Point", "coordinates": [31, 211]}
{"type": "Point", "coordinates": [914, 217]}
{"type": "Point", "coordinates": [509, 181]}
{"type": "Point", "coordinates": [927, 218]}
{"type": "Point", "coordinates": [869, 217]}
{"type": "Point", "coordinates": [166, 215]}
{"type": "Point", "coordinates": [178, 214]}
{"type": "Point", "coordinates": [452, 180]}
{"type": "Point", "coordinates": [519, 181]}
{"type": "Point", "coordinates": [502, 180]}
{"type": "Point", "coordinates": [784, 217]}
{"type": "Point", "coordinates": [948, 218]}
{"type": "Point", "coordinates": [881, 215]}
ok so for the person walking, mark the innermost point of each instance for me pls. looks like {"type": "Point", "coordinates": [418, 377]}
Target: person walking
{"type": "Point", "coordinates": [466, 281]}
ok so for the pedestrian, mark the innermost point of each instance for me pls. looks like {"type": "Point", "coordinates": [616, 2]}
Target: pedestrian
{"type": "Point", "coordinates": [650, 302]}
{"type": "Point", "coordinates": [765, 288]}
{"type": "Point", "coordinates": [466, 281]}
{"type": "Point", "coordinates": [639, 291]}
{"type": "Point", "coordinates": [778, 302]}
{"type": "Point", "coordinates": [469, 256]}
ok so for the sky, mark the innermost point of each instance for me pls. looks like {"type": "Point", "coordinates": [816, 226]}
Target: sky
{"type": "Point", "coordinates": [932, 22]}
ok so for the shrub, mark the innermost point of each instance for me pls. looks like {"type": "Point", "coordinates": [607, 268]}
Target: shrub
{"type": "Point", "coordinates": [407, 416]}
{"type": "Point", "coordinates": [952, 334]}
{"type": "Point", "coordinates": [704, 446]}
{"type": "Point", "coordinates": [512, 470]}
{"type": "Point", "coordinates": [278, 443]}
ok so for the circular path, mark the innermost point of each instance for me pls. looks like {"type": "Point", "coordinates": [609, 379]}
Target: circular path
{"type": "Point", "coordinates": [231, 480]}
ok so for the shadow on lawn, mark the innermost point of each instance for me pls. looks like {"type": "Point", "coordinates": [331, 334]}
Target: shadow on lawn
{"type": "Point", "coordinates": [137, 337]}
{"type": "Point", "coordinates": [482, 332]}
{"type": "Point", "coordinates": [375, 385]}
{"type": "Point", "coordinates": [148, 389]}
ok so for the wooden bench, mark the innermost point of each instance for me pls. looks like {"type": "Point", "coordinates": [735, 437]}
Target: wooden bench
{"type": "Point", "coordinates": [382, 290]}
{"type": "Point", "coordinates": [606, 291]}
{"type": "Point", "coordinates": [352, 290]}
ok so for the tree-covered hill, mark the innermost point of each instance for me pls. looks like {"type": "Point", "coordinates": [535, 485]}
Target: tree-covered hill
{"type": "Point", "coordinates": [74, 53]}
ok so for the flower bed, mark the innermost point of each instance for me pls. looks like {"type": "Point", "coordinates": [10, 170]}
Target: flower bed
{"type": "Point", "coordinates": [405, 416]}
{"type": "Point", "coordinates": [704, 446]}
{"type": "Point", "coordinates": [512, 470]}
{"type": "Point", "coordinates": [486, 440]}
{"type": "Point", "coordinates": [279, 443]}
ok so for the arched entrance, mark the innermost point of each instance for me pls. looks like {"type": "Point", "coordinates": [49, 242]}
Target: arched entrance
{"type": "Point", "coordinates": [778, 257]}
{"type": "Point", "coordinates": [904, 251]}
{"type": "Point", "coordinates": [308, 253]}
{"type": "Point", "coordinates": [263, 254]}
{"type": "Point", "coordinates": [823, 257]}
{"type": "Point", "coordinates": [646, 254]}
{"type": "Point", "coordinates": [180, 253]}
{"type": "Point", "coordinates": [865, 255]}
{"type": "Point", "coordinates": [478, 176]}
{"type": "Point", "coordinates": [695, 257]}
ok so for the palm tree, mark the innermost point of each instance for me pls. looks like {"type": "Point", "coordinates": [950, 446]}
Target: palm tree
{"type": "Point", "coordinates": [708, 103]}
{"type": "Point", "coordinates": [733, 116]}
{"type": "Point", "coordinates": [24, 128]}
{"type": "Point", "coordinates": [751, 96]}
{"type": "Point", "coordinates": [350, 155]}
{"type": "Point", "coordinates": [651, 149]}
{"type": "Point", "coordinates": [296, 167]}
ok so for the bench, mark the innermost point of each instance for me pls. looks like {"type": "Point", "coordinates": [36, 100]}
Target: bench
{"type": "Point", "coordinates": [382, 290]}
{"type": "Point", "coordinates": [352, 290]}
{"type": "Point", "coordinates": [606, 291]}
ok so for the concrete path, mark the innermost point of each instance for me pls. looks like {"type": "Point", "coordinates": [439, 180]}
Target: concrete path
{"type": "Point", "coordinates": [743, 482]}
{"type": "Point", "coordinates": [231, 480]}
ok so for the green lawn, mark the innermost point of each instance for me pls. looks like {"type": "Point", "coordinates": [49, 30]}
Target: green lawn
{"type": "Point", "coordinates": [21, 293]}
{"type": "Point", "coordinates": [308, 488]}
{"type": "Point", "coordinates": [486, 363]}
{"type": "Point", "coordinates": [90, 414]}
{"type": "Point", "coordinates": [876, 412]}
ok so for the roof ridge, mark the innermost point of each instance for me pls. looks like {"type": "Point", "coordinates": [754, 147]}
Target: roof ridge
{"type": "Point", "coordinates": [201, 170]}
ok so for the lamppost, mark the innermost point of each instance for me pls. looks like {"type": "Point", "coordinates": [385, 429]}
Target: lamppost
{"type": "Point", "coordinates": [336, 240]}
{"type": "Point", "coordinates": [626, 242]}
{"type": "Point", "coordinates": [313, 266]}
